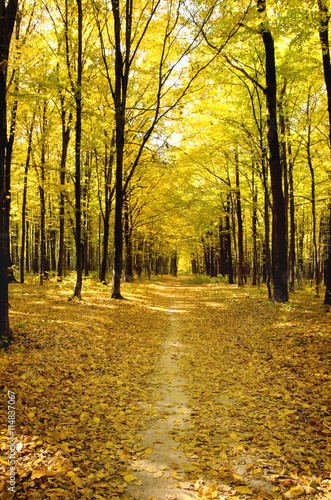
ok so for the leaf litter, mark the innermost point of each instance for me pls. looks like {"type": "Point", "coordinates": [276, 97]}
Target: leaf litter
{"type": "Point", "coordinates": [257, 378]}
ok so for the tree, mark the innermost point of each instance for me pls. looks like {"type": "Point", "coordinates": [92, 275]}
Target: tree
{"type": "Point", "coordinates": [324, 39]}
{"type": "Point", "coordinates": [279, 249]}
{"type": "Point", "coordinates": [7, 20]}
{"type": "Point", "coordinates": [78, 201]}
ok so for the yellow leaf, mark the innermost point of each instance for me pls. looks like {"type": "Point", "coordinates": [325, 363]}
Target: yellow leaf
{"type": "Point", "coordinates": [296, 491]}
{"type": "Point", "coordinates": [75, 479]}
{"type": "Point", "coordinates": [36, 474]}
{"type": "Point", "coordinates": [4, 462]}
{"type": "Point", "coordinates": [65, 446]}
{"type": "Point", "coordinates": [84, 416]}
{"type": "Point", "coordinates": [237, 477]}
{"type": "Point", "coordinates": [244, 490]}
{"type": "Point", "coordinates": [129, 477]}
{"type": "Point", "coordinates": [149, 450]}
{"type": "Point", "coordinates": [96, 420]}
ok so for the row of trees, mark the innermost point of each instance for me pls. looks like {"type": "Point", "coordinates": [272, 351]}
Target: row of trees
{"type": "Point", "coordinates": [157, 122]}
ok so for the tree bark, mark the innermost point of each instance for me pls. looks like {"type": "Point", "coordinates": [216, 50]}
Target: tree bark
{"type": "Point", "coordinates": [313, 203]}
{"type": "Point", "coordinates": [128, 243]}
{"type": "Point", "coordinates": [279, 250]}
{"type": "Point", "coordinates": [109, 193]}
{"type": "Point", "coordinates": [240, 229]}
{"type": "Point", "coordinates": [324, 39]}
{"type": "Point", "coordinates": [7, 19]}
{"type": "Point", "coordinates": [66, 129]}
{"type": "Point", "coordinates": [228, 235]}
{"type": "Point", "coordinates": [42, 198]}
{"type": "Point", "coordinates": [292, 211]}
{"type": "Point", "coordinates": [78, 209]}
{"type": "Point", "coordinates": [254, 224]}
{"type": "Point", "coordinates": [120, 95]}
{"type": "Point", "coordinates": [27, 164]}
{"type": "Point", "coordinates": [266, 223]}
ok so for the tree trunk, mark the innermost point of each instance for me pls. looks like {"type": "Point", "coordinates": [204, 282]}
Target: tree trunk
{"type": "Point", "coordinates": [173, 264]}
{"type": "Point", "coordinates": [109, 193]}
{"type": "Point", "coordinates": [324, 38]}
{"type": "Point", "coordinates": [266, 223]}
{"type": "Point", "coordinates": [240, 229]}
{"type": "Point", "coordinates": [228, 238]}
{"type": "Point", "coordinates": [78, 100]}
{"type": "Point", "coordinates": [313, 204]}
{"type": "Point", "coordinates": [254, 224]}
{"type": "Point", "coordinates": [52, 241]}
{"type": "Point", "coordinates": [27, 164]}
{"type": "Point", "coordinates": [36, 250]}
{"type": "Point", "coordinates": [7, 19]}
{"type": "Point", "coordinates": [42, 199]}
{"type": "Point", "coordinates": [128, 243]}
{"type": "Point", "coordinates": [283, 152]}
{"type": "Point", "coordinates": [120, 95]}
{"type": "Point", "coordinates": [279, 250]}
{"type": "Point", "coordinates": [27, 251]}
{"type": "Point", "coordinates": [292, 213]}
{"type": "Point", "coordinates": [104, 249]}
{"type": "Point", "coordinates": [66, 129]}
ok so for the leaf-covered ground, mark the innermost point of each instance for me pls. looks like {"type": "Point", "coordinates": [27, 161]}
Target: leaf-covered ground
{"type": "Point", "coordinates": [256, 375]}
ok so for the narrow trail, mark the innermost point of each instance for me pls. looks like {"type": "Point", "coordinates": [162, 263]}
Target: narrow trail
{"type": "Point", "coordinates": [161, 473]}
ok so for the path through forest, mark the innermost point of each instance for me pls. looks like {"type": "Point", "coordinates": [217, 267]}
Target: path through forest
{"type": "Point", "coordinates": [185, 390]}
{"type": "Point", "coordinates": [159, 473]}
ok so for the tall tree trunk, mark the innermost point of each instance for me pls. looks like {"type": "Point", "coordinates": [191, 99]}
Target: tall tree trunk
{"type": "Point", "coordinates": [7, 19]}
{"type": "Point", "coordinates": [78, 209]}
{"type": "Point", "coordinates": [10, 144]}
{"type": "Point", "coordinates": [173, 264]}
{"type": "Point", "coordinates": [279, 250]}
{"type": "Point", "coordinates": [109, 193]}
{"type": "Point", "coordinates": [228, 236]}
{"type": "Point", "coordinates": [27, 164]}
{"type": "Point", "coordinates": [254, 224]}
{"type": "Point", "coordinates": [240, 229]}
{"type": "Point", "coordinates": [313, 203]}
{"type": "Point", "coordinates": [324, 38]}
{"type": "Point", "coordinates": [283, 152]}
{"type": "Point", "coordinates": [86, 203]}
{"type": "Point", "coordinates": [128, 242]}
{"type": "Point", "coordinates": [42, 197]}
{"type": "Point", "coordinates": [27, 251]}
{"type": "Point", "coordinates": [36, 250]}
{"type": "Point", "coordinates": [120, 96]}
{"type": "Point", "coordinates": [292, 212]}
{"type": "Point", "coordinates": [66, 129]}
{"type": "Point", "coordinates": [266, 223]}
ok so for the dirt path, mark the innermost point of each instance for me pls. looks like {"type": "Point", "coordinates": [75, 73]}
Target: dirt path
{"type": "Point", "coordinates": [161, 473]}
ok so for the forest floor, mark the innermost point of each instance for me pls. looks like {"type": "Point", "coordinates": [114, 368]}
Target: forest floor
{"type": "Point", "coordinates": [185, 390]}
